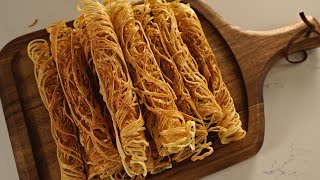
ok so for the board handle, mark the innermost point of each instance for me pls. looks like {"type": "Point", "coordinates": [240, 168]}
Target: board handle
{"type": "Point", "coordinates": [248, 45]}
{"type": "Point", "coordinates": [262, 49]}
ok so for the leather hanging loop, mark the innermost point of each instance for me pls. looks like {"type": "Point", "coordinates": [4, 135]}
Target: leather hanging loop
{"type": "Point", "coordinates": [310, 28]}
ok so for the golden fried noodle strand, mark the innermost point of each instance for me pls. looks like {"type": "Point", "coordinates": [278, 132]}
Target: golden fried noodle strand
{"type": "Point", "coordinates": [116, 88]}
{"type": "Point", "coordinates": [171, 73]}
{"type": "Point", "coordinates": [101, 157]}
{"type": "Point", "coordinates": [63, 131]}
{"type": "Point", "coordinates": [192, 34]}
{"type": "Point", "coordinates": [169, 129]}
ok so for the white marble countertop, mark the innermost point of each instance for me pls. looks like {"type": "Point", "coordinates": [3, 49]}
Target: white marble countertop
{"type": "Point", "coordinates": [291, 92]}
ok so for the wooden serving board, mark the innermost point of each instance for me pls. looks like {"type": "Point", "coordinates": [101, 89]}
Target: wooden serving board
{"type": "Point", "coordinates": [244, 58]}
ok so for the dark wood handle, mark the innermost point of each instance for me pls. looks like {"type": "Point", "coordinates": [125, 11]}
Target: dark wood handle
{"type": "Point", "coordinates": [256, 52]}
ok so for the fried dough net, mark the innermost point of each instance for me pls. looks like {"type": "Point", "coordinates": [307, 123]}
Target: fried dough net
{"type": "Point", "coordinates": [171, 73]}
{"type": "Point", "coordinates": [63, 131]}
{"type": "Point", "coordinates": [101, 157]}
{"type": "Point", "coordinates": [229, 124]}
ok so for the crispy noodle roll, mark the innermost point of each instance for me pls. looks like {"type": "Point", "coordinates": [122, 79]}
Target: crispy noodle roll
{"type": "Point", "coordinates": [196, 83]}
{"type": "Point", "coordinates": [80, 26]}
{"type": "Point", "coordinates": [101, 157]}
{"type": "Point", "coordinates": [173, 77]}
{"type": "Point", "coordinates": [116, 87]}
{"type": "Point", "coordinates": [168, 128]}
{"type": "Point", "coordinates": [63, 131]}
{"type": "Point", "coordinates": [229, 124]}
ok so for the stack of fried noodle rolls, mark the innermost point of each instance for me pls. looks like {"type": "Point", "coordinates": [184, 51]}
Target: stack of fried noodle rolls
{"type": "Point", "coordinates": [131, 87]}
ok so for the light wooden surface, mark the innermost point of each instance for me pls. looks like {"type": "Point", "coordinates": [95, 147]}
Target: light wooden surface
{"type": "Point", "coordinates": [253, 52]}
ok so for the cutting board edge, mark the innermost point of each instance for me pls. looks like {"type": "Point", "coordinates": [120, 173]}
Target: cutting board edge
{"type": "Point", "coordinates": [18, 115]}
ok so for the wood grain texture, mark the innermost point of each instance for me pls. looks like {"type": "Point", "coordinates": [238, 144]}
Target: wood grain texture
{"type": "Point", "coordinates": [244, 58]}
